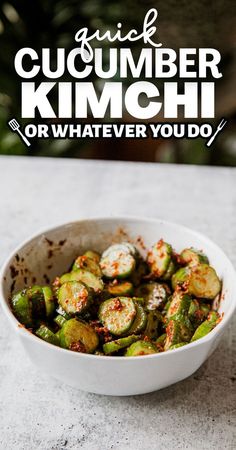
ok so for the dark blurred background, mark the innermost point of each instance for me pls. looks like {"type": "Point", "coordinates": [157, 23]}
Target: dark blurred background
{"type": "Point", "coordinates": [194, 23]}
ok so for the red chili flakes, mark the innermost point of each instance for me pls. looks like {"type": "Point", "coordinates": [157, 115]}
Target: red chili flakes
{"type": "Point", "coordinates": [170, 329]}
{"type": "Point", "coordinates": [100, 330]}
{"type": "Point", "coordinates": [77, 347]}
{"type": "Point", "coordinates": [116, 306]}
{"type": "Point", "coordinates": [160, 243]}
{"type": "Point", "coordinates": [81, 300]}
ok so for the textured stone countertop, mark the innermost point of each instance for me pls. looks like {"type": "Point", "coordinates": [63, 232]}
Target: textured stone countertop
{"type": "Point", "coordinates": [36, 411]}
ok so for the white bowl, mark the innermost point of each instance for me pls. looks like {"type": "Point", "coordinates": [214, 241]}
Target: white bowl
{"type": "Point", "coordinates": [50, 253]}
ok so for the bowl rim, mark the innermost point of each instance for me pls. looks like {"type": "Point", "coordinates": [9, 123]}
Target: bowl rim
{"type": "Point", "coordinates": [27, 334]}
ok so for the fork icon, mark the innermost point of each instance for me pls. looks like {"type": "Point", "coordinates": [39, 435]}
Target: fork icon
{"type": "Point", "coordinates": [222, 123]}
{"type": "Point", "coordinates": [15, 126]}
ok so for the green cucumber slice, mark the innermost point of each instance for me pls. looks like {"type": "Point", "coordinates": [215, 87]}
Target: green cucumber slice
{"type": "Point", "coordinates": [170, 271]}
{"type": "Point", "coordinates": [204, 282]}
{"type": "Point", "coordinates": [180, 277]}
{"type": "Point", "coordinates": [93, 255]}
{"type": "Point", "coordinates": [60, 320]}
{"type": "Point", "coordinates": [65, 278]}
{"type": "Point", "coordinates": [153, 320]}
{"type": "Point", "coordinates": [47, 335]}
{"type": "Point", "coordinates": [57, 334]}
{"type": "Point", "coordinates": [120, 289]}
{"type": "Point", "coordinates": [159, 258]}
{"type": "Point", "coordinates": [192, 257]}
{"type": "Point", "coordinates": [197, 313]}
{"type": "Point", "coordinates": [206, 326]}
{"type": "Point", "coordinates": [161, 339]}
{"type": "Point", "coordinates": [118, 344]}
{"type": "Point", "coordinates": [22, 308]}
{"type": "Point", "coordinates": [131, 248]}
{"type": "Point", "coordinates": [201, 281]}
{"type": "Point", "coordinates": [74, 297]}
{"type": "Point", "coordinates": [78, 336]}
{"type": "Point", "coordinates": [123, 247]}
{"type": "Point", "coordinates": [141, 348]}
{"type": "Point", "coordinates": [173, 334]}
{"type": "Point", "coordinates": [61, 311]}
{"type": "Point", "coordinates": [117, 314]}
{"type": "Point", "coordinates": [140, 320]}
{"type": "Point", "coordinates": [49, 301]}
{"type": "Point", "coordinates": [85, 277]}
{"type": "Point", "coordinates": [155, 295]}
{"type": "Point", "coordinates": [86, 263]}
{"type": "Point", "coordinates": [117, 264]}
{"type": "Point", "coordinates": [36, 297]}
{"type": "Point", "coordinates": [179, 305]}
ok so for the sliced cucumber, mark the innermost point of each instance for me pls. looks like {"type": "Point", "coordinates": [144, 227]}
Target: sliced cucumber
{"type": "Point", "coordinates": [118, 344]}
{"type": "Point", "coordinates": [192, 257]}
{"type": "Point", "coordinates": [57, 334]}
{"type": "Point", "coordinates": [206, 326]}
{"type": "Point", "coordinates": [201, 280]}
{"type": "Point", "coordinates": [180, 277]}
{"type": "Point", "coordinates": [117, 264]}
{"type": "Point", "coordinates": [22, 308]}
{"type": "Point", "coordinates": [131, 248]}
{"type": "Point", "coordinates": [197, 313]}
{"type": "Point", "coordinates": [85, 277]}
{"type": "Point", "coordinates": [204, 282]}
{"type": "Point", "coordinates": [161, 339]}
{"type": "Point", "coordinates": [140, 320]}
{"type": "Point", "coordinates": [173, 334]}
{"type": "Point", "coordinates": [74, 297]}
{"type": "Point", "coordinates": [61, 311]}
{"type": "Point", "coordinates": [93, 255]}
{"type": "Point", "coordinates": [205, 310]}
{"type": "Point", "coordinates": [186, 328]}
{"type": "Point", "coordinates": [179, 305]}
{"type": "Point", "coordinates": [36, 296]}
{"type": "Point", "coordinates": [193, 311]}
{"type": "Point", "coordinates": [120, 289]}
{"type": "Point", "coordinates": [153, 320]}
{"type": "Point", "coordinates": [78, 336]}
{"type": "Point", "coordinates": [141, 348]}
{"type": "Point", "coordinates": [60, 320]}
{"type": "Point", "coordinates": [47, 335]}
{"type": "Point", "coordinates": [159, 258]}
{"type": "Point", "coordinates": [170, 271]}
{"type": "Point", "coordinates": [117, 314]}
{"type": "Point", "coordinates": [155, 295]}
{"type": "Point", "coordinates": [123, 247]}
{"type": "Point", "coordinates": [49, 301]}
{"type": "Point", "coordinates": [65, 278]}
{"type": "Point", "coordinates": [86, 263]}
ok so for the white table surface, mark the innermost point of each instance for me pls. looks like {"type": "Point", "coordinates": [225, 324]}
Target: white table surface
{"type": "Point", "coordinates": [36, 411]}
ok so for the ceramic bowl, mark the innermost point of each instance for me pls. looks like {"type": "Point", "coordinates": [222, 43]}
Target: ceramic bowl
{"type": "Point", "coordinates": [48, 254]}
